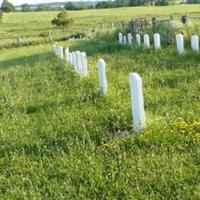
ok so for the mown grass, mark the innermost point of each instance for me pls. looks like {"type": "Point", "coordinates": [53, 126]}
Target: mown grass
{"type": "Point", "coordinates": [61, 140]}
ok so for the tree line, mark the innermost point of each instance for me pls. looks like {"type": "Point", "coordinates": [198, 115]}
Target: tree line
{"type": "Point", "coordinates": [6, 6]}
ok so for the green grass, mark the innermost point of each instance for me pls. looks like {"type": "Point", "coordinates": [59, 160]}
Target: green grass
{"type": "Point", "coordinates": [59, 139]}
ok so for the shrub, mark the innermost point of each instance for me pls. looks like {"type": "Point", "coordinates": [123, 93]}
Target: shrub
{"type": "Point", "coordinates": [62, 20]}
{"type": "Point", "coordinates": [44, 34]}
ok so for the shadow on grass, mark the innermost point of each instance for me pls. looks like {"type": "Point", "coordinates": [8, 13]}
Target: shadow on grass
{"type": "Point", "coordinates": [25, 60]}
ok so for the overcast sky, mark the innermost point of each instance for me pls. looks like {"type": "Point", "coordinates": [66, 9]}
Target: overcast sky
{"type": "Point", "coordinates": [19, 2]}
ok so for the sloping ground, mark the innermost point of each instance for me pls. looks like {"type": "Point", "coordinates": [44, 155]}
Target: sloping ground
{"type": "Point", "coordinates": [61, 140]}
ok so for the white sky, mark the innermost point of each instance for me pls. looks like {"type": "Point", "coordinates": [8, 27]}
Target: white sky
{"type": "Point", "coordinates": [19, 2]}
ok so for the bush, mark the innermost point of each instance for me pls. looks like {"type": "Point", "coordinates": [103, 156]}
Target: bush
{"type": "Point", "coordinates": [62, 20]}
{"type": "Point", "coordinates": [44, 34]}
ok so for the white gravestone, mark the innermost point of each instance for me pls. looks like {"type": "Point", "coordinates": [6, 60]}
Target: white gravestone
{"type": "Point", "coordinates": [84, 63]}
{"type": "Point", "coordinates": [146, 40]}
{"type": "Point", "coordinates": [78, 64]}
{"type": "Point", "coordinates": [156, 38]}
{"type": "Point", "coordinates": [102, 77]}
{"type": "Point", "coordinates": [130, 37]}
{"type": "Point", "coordinates": [138, 39]}
{"type": "Point", "coordinates": [180, 43]}
{"type": "Point", "coordinates": [57, 50]}
{"type": "Point", "coordinates": [125, 40]}
{"type": "Point", "coordinates": [54, 48]}
{"type": "Point", "coordinates": [120, 38]}
{"type": "Point", "coordinates": [137, 102]}
{"type": "Point", "coordinates": [73, 59]}
{"type": "Point", "coordinates": [70, 58]}
{"type": "Point", "coordinates": [67, 54]}
{"type": "Point", "coordinates": [195, 42]}
{"type": "Point", "coordinates": [61, 53]}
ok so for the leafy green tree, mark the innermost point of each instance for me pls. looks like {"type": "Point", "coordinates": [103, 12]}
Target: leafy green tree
{"type": "Point", "coordinates": [196, 1]}
{"type": "Point", "coordinates": [70, 6]}
{"type": "Point", "coordinates": [43, 7]}
{"type": "Point", "coordinates": [62, 20]}
{"type": "Point", "coordinates": [6, 6]}
{"type": "Point", "coordinates": [26, 7]}
{"type": "Point", "coordinates": [105, 4]}
{"type": "Point", "coordinates": [165, 2]}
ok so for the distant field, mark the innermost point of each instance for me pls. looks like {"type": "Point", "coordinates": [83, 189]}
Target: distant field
{"type": "Point", "coordinates": [31, 25]}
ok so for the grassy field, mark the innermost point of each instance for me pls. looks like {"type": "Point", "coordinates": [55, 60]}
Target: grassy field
{"type": "Point", "coordinates": [59, 139]}
{"type": "Point", "coordinates": [30, 26]}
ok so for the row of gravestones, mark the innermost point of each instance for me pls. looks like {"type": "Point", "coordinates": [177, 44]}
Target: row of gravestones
{"type": "Point", "coordinates": [78, 60]}
{"type": "Point", "coordinates": [78, 39]}
{"type": "Point", "coordinates": [105, 27]}
{"type": "Point", "coordinates": [123, 39]}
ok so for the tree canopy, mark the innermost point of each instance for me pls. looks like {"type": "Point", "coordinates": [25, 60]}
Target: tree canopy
{"type": "Point", "coordinates": [6, 6]}
{"type": "Point", "coordinates": [26, 7]}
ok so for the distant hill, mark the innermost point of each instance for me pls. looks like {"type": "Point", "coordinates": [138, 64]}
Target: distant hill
{"type": "Point", "coordinates": [60, 4]}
